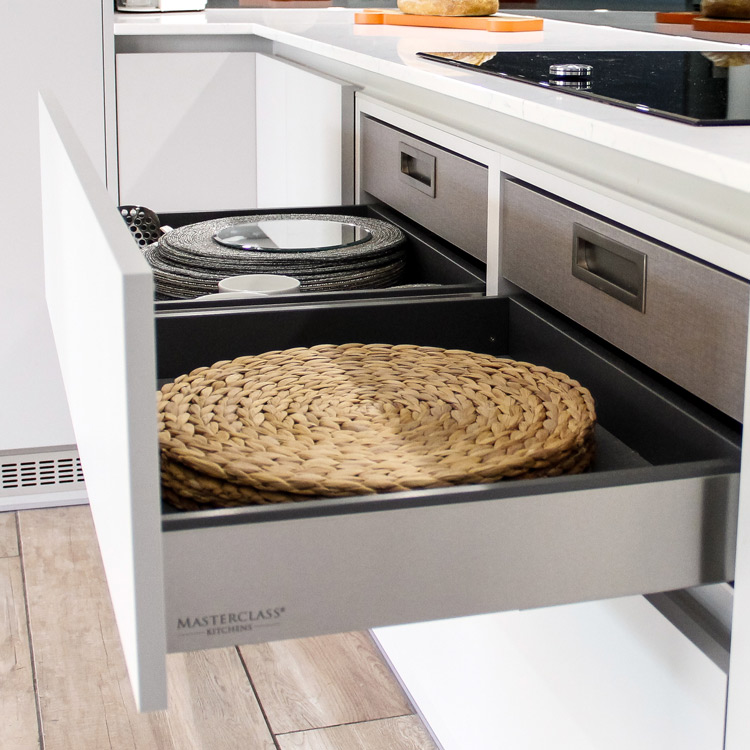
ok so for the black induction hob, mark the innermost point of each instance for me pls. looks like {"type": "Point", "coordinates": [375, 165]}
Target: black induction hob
{"type": "Point", "coordinates": [690, 87]}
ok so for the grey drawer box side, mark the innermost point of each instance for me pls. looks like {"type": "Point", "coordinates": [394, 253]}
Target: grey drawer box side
{"type": "Point", "coordinates": [458, 209]}
{"type": "Point", "coordinates": [694, 325]}
{"type": "Point", "coordinates": [643, 423]}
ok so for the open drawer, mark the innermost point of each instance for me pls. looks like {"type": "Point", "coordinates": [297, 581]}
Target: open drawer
{"type": "Point", "coordinates": [657, 512]}
{"type": "Point", "coordinates": [432, 265]}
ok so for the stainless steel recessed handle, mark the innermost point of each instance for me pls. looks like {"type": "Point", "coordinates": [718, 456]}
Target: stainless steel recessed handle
{"type": "Point", "coordinates": [610, 266]}
{"type": "Point", "coordinates": [417, 169]}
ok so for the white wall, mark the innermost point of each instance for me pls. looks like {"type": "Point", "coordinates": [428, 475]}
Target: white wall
{"type": "Point", "coordinates": [56, 45]}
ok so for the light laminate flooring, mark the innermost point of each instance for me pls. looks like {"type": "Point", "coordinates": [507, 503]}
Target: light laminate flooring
{"type": "Point", "coordinates": [63, 683]}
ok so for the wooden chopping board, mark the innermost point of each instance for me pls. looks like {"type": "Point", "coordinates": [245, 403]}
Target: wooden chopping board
{"type": "Point", "coordinates": [498, 22]}
{"type": "Point", "coordinates": [700, 23]}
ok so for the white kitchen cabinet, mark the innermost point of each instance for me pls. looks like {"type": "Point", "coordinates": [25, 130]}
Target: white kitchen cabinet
{"type": "Point", "coordinates": [658, 513]}
{"type": "Point", "coordinates": [59, 48]}
{"type": "Point", "coordinates": [202, 131]}
{"type": "Point", "coordinates": [305, 136]}
{"type": "Point", "coordinates": [610, 674]}
{"type": "Point", "coordinates": [186, 130]}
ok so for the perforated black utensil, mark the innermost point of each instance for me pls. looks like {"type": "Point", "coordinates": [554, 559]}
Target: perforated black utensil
{"type": "Point", "coordinates": [143, 223]}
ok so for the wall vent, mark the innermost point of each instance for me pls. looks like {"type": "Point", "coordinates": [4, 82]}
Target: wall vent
{"type": "Point", "coordinates": [51, 470]}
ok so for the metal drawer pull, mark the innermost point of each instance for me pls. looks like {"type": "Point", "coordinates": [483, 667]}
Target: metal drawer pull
{"type": "Point", "coordinates": [417, 169]}
{"type": "Point", "coordinates": [611, 267]}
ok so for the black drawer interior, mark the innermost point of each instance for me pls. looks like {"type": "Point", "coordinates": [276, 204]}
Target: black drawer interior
{"type": "Point", "coordinates": [646, 430]}
{"type": "Point", "coordinates": [430, 260]}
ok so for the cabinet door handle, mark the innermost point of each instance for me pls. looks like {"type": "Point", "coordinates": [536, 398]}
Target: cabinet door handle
{"type": "Point", "coordinates": [608, 265]}
{"type": "Point", "coordinates": [417, 169]}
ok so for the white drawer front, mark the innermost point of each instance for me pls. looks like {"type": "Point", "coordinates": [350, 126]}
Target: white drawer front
{"type": "Point", "coordinates": [100, 298]}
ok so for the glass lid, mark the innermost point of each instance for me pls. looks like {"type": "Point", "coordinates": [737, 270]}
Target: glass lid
{"type": "Point", "coordinates": [292, 235]}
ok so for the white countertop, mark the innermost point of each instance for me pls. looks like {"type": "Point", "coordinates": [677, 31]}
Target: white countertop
{"type": "Point", "coordinates": [715, 155]}
{"type": "Point", "coordinates": [391, 51]}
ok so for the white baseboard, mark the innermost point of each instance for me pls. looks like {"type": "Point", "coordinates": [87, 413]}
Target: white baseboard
{"type": "Point", "coordinates": [43, 500]}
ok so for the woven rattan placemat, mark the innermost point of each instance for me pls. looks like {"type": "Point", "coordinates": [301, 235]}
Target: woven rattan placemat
{"type": "Point", "coordinates": [354, 419]}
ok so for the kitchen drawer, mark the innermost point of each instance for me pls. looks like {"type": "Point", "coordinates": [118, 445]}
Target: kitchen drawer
{"type": "Point", "coordinates": [445, 192]}
{"type": "Point", "coordinates": [657, 511]}
{"type": "Point", "coordinates": [433, 266]}
{"type": "Point", "coordinates": [683, 318]}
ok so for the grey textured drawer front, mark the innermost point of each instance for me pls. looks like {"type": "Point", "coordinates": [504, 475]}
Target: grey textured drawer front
{"type": "Point", "coordinates": [444, 192]}
{"type": "Point", "coordinates": [686, 320]}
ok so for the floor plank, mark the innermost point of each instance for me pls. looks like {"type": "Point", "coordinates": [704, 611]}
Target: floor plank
{"type": "Point", "coordinates": [212, 704]}
{"type": "Point", "coordinates": [18, 726]}
{"type": "Point", "coordinates": [400, 733]}
{"type": "Point", "coordinates": [8, 537]}
{"type": "Point", "coordinates": [324, 681]}
{"type": "Point", "coordinates": [85, 698]}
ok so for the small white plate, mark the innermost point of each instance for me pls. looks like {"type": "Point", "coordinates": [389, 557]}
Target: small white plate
{"type": "Point", "coordinates": [263, 283]}
{"type": "Point", "coordinates": [231, 295]}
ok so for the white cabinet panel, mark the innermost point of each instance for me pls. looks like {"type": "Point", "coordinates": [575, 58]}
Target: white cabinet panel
{"type": "Point", "coordinates": [612, 675]}
{"type": "Point", "coordinates": [186, 139]}
{"type": "Point", "coordinates": [57, 46]}
{"type": "Point", "coordinates": [87, 285]}
{"type": "Point", "coordinates": [305, 136]}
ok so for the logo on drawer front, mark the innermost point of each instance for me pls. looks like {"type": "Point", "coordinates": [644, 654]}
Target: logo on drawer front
{"type": "Point", "coordinates": [230, 622]}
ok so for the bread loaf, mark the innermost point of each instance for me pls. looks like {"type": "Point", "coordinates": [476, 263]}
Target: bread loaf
{"type": "Point", "coordinates": [728, 59]}
{"type": "Point", "coordinates": [472, 58]}
{"type": "Point", "coordinates": [725, 8]}
{"type": "Point", "coordinates": [448, 7]}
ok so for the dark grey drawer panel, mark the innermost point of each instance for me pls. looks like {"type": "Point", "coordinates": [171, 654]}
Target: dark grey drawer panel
{"type": "Point", "coordinates": [684, 319]}
{"type": "Point", "coordinates": [444, 192]}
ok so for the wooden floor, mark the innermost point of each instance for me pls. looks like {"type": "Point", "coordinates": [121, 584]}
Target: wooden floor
{"type": "Point", "coordinates": [63, 684]}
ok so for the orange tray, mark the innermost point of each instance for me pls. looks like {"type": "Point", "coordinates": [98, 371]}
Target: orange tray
{"type": "Point", "coordinates": [678, 17]}
{"type": "Point", "coordinates": [700, 23]}
{"type": "Point", "coordinates": [726, 25]}
{"type": "Point", "coordinates": [497, 22]}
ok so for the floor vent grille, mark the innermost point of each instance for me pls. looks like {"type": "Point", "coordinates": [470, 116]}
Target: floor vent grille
{"type": "Point", "coordinates": [48, 471]}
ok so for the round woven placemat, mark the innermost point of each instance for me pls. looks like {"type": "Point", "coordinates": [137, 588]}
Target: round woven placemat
{"type": "Point", "coordinates": [190, 490]}
{"type": "Point", "coordinates": [188, 261]}
{"type": "Point", "coordinates": [331, 421]}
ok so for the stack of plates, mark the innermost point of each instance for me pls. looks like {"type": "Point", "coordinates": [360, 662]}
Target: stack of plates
{"type": "Point", "coordinates": [354, 419]}
{"type": "Point", "coordinates": [190, 261]}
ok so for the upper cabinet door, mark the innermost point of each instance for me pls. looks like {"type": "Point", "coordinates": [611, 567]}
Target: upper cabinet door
{"type": "Point", "coordinates": [185, 130]}
{"type": "Point", "coordinates": [100, 300]}
{"type": "Point", "coordinates": [305, 137]}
